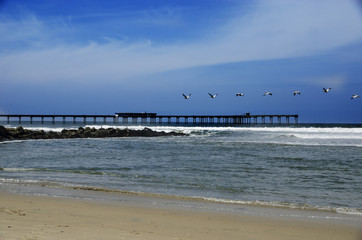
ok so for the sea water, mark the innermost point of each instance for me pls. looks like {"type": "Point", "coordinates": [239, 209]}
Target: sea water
{"type": "Point", "coordinates": [313, 167]}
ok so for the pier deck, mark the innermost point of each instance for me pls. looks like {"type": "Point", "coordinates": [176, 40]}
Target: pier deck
{"type": "Point", "coordinates": [153, 118]}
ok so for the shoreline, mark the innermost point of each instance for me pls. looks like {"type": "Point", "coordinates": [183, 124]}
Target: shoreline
{"type": "Point", "coordinates": [44, 217]}
{"type": "Point", "coordinates": [94, 193]}
{"type": "Point", "coordinates": [42, 187]}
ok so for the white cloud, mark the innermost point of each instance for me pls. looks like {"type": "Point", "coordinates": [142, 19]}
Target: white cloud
{"type": "Point", "coordinates": [333, 81]}
{"type": "Point", "coordinates": [16, 30]}
{"type": "Point", "coordinates": [272, 30]}
{"type": "Point", "coordinates": [278, 29]}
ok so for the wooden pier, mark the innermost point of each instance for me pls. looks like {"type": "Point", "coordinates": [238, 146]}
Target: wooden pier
{"type": "Point", "coordinates": [153, 118]}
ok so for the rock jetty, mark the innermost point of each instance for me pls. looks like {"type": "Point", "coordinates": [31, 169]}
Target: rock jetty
{"type": "Point", "coordinates": [20, 133]}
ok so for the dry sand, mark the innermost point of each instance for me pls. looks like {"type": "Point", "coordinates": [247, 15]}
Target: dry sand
{"type": "Point", "coordinates": [35, 217]}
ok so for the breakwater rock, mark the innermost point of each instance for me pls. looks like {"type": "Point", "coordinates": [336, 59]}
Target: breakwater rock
{"type": "Point", "coordinates": [20, 133]}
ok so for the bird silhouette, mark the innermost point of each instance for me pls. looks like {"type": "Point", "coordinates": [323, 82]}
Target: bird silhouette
{"type": "Point", "coordinates": [212, 96]}
{"type": "Point", "coordinates": [296, 92]}
{"type": "Point", "coordinates": [186, 97]}
{"type": "Point", "coordinates": [354, 96]}
{"type": "Point", "coordinates": [239, 94]}
{"type": "Point", "coordinates": [268, 93]}
{"type": "Point", "coordinates": [326, 90]}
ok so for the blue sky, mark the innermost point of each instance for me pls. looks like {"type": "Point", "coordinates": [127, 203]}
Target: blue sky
{"type": "Point", "coordinates": [85, 57]}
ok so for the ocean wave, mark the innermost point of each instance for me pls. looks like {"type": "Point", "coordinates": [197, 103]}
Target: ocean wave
{"type": "Point", "coordinates": [328, 136]}
{"type": "Point", "coordinates": [17, 169]}
{"type": "Point", "coordinates": [353, 130]}
{"type": "Point", "coordinates": [19, 181]}
{"type": "Point", "coordinates": [287, 205]}
{"type": "Point", "coordinates": [48, 129]}
{"type": "Point", "coordinates": [256, 203]}
{"type": "Point", "coordinates": [287, 142]}
{"type": "Point", "coordinates": [90, 171]}
{"type": "Point", "coordinates": [12, 141]}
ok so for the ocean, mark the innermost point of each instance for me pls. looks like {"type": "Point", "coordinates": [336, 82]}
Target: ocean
{"type": "Point", "coordinates": [305, 166]}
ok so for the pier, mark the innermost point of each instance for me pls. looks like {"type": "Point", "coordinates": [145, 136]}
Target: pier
{"type": "Point", "coordinates": [153, 118]}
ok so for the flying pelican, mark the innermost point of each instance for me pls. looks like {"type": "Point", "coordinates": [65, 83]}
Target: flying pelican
{"type": "Point", "coordinates": [268, 93]}
{"type": "Point", "coordinates": [239, 94]}
{"type": "Point", "coordinates": [296, 92]}
{"type": "Point", "coordinates": [326, 90]}
{"type": "Point", "coordinates": [354, 96]}
{"type": "Point", "coordinates": [212, 96]}
{"type": "Point", "coordinates": [186, 97]}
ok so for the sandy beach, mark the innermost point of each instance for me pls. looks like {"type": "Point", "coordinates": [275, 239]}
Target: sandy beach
{"type": "Point", "coordinates": [37, 217]}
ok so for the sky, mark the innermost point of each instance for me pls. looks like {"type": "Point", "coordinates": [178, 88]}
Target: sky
{"type": "Point", "coordinates": [102, 57]}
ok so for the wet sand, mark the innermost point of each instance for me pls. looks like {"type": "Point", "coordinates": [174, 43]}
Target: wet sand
{"type": "Point", "coordinates": [37, 217]}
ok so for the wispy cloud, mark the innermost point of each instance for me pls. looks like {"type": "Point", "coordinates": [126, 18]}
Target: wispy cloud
{"type": "Point", "coordinates": [333, 81]}
{"type": "Point", "coordinates": [271, 30]}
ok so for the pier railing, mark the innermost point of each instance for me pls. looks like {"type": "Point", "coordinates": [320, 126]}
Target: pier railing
{"type": "Point", "coordinates": [153, 118]}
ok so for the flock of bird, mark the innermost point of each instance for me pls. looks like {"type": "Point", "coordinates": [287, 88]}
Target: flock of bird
{"type": "Point", "coordinates": [326, 90]}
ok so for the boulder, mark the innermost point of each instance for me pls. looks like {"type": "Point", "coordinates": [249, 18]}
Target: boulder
{"type": "Point", "coordinates": [3, 131]}
{"type": "Point", "coordinates": [20, 129]}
